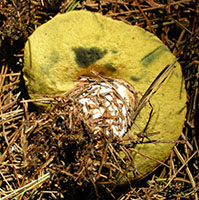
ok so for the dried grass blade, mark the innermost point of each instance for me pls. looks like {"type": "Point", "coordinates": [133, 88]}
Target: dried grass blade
{"type": "Point", "coordinates": [184, 164]}
{"type": "Point", "coordinates": [152, 89]}
{"type": "Point", "coordinates": [27, 187]}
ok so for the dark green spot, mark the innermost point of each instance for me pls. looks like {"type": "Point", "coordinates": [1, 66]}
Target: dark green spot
{"type": "Point", "coordinates": [176, 74]}
{"type": "Point", "coordinates": [110, 67]}
{"type": "Point", "coordinates": [87, 56]}
{"type": "Point", "coordinates": [114, 51]}
{"type": "Point", "coordinates": [98, 21]}
{"type": "Point", "coordinates": [135, 78]}
{"type": "Point", "coordinates": [50, 61]}
{"type": "Point", "coordinates": [152, 56]}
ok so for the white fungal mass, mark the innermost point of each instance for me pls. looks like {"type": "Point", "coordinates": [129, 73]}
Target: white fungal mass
{"type": "Point", "coordinates": [107, 106]}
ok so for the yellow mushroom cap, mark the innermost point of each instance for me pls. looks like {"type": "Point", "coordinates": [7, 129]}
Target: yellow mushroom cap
{"type": "Point", "coordinates": [64, 48]}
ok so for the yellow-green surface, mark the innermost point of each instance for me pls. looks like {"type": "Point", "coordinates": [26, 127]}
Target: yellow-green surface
{"type": "Point", "coordinates": [72, 44]}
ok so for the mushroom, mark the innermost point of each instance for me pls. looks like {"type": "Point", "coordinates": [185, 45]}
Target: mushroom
{"type": "Point", "coordinates": [66, 48]}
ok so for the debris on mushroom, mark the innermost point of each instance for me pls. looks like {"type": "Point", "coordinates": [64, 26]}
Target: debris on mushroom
{"type": "Point", "coordinates": [106, 104]}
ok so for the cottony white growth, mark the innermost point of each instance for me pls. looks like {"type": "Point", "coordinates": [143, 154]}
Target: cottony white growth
{"type": "Point", "coordinates": [108, 105]}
